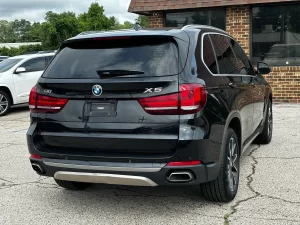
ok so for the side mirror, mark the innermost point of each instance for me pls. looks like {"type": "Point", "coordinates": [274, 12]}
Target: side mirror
{"type": "Point", "coordinates": [20, 70]}
{"type": "Point", "coordinates": [263, 68]}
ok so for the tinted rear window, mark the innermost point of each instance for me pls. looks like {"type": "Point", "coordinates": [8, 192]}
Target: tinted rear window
{"type": "Point", "coordinates": [84, 59]}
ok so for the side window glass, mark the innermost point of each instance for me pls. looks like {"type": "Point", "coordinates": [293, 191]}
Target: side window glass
{"type": "Point", "coordinates": [244, 64]}
{"type": "Point", "coordinates": [32, 65]}
{"type": "Point", "coordinates": [209, 56]}
{"type": "Point", "coordinates": [227, 61]}
{"type": "Point", "coordinates": [48, 60]}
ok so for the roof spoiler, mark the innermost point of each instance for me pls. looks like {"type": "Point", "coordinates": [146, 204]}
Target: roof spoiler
{"type": "Point", "coordinates": [136, 27]}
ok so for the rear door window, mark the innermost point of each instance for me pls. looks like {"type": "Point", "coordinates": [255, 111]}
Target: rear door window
{"type": "Point", "coordinates": [228, 62]}
{"type": "Point", "coordinates": [209, 55]}
{"type": "Point", "coordinates": [217, 43]}
{"type": "Point", "coordinates": [243, 63]}
{"type": "Point", "coordinates": [129, 58]}
{"type": "Point", "coordinates": [36, 64]}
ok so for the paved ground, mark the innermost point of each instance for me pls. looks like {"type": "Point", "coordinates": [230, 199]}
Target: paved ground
{"type": "Point", "coordinates": [269, 192]}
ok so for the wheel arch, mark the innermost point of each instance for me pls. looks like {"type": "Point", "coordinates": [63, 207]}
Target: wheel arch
{"type": "Point", "coordinates": [8, 91]}
{"type": "Point", "coordinates": [234, 122]}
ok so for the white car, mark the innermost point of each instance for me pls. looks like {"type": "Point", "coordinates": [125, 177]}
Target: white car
{"type": "Point", "coordinates": [18, 75]}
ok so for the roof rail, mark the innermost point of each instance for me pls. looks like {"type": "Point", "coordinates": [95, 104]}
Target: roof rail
{"type": "Point", "coordinates": [95, 32]}
{"type": "Point", "coordinates": [89, 32]}
{"type": "Point", "coordinates": [196, 26]}
{"type": "Point", "coordinates": [44, 52]}
{"type": "Point", "coordinates": [30, 53]}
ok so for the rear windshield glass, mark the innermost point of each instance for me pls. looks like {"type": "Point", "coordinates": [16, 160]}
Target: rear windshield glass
{"type": "Point", "coordinates": [126, 58]}
{"type": "Point", "coordinates": [7, 64]}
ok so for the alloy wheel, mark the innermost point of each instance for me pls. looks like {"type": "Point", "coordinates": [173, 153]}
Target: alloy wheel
{"type": "Point", "coordinates": [3, 104]}
{"type": "Point", "coordinates": [232, 166]}
{"type": "Point", "coordinates": [270, 121]}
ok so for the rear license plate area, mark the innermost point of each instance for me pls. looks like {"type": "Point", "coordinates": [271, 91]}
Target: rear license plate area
{"type": "Point", "coordinates": [100, 109]}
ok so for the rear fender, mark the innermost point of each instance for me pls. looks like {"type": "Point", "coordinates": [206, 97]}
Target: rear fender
{"type": "Point", "coordinates": [213, 173]}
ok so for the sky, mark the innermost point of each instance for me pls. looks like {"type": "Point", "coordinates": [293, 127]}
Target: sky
{"type": "Point", "coordinates": [35, 10]}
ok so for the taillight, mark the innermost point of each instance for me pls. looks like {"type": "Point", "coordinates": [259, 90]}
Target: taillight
{"type": "Point", "coordinates": [45, 104]}
{"type": "Point", "coordinates": [191, 99]}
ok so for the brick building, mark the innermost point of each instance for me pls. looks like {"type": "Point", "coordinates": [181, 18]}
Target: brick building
{"type": "Point", "coordinates": [268, 30]}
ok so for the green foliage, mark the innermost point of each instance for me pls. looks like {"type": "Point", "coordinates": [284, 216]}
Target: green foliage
{"type": "Point", "coordinates": [143, 21]}
{"type": "Point", "coordinates": [95, 19]}
{"type": "Point", "coordinates": [6, 32]}
{"type": "Point", "coordinates": [34, 34]}
{"type": "Point", "coordinates": [59, 27]}
{"type": "Point", "coordinates": [22, 50]}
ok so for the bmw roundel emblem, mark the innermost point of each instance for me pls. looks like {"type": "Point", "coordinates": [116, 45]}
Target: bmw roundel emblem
{"type": "Point", "coordinates": [97, 90]}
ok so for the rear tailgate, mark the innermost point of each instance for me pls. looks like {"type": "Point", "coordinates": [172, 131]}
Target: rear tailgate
{"type": "Point", "coordinates": [111, 123]}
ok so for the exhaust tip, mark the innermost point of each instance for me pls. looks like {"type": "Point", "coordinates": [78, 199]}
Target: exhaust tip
{"type": "Point", "coordinates": [180, 177]}
{"type": "Point", "coordinates": [37, 168]}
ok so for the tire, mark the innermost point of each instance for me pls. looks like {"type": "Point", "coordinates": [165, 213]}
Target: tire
{"type": "Point", "coordinates": [225, 187]}
{"type": "Point", "coordinates": [266, 135]}
{"type": "Point", "coordinates": [70, 185]}
{"type": "Point", "coordinates": [5, 103]}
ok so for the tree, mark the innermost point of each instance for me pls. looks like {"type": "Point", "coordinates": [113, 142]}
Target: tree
{"type": "Point", "coordinates": [6, 32]}
{"type": "Point", "coordinates": [59, 27]}
{"type": "Point", "coordinates": [34, 34]}
{"type": "Point", "coordinates": [143, 21]}
{"type": "Point", "coordinates": [125, 25]}
{"type": "Point", "coordinates": [21, 29]}
{"type": "Point", "coordinates": [95, 19]}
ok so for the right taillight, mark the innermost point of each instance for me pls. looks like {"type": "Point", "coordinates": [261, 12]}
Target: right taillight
{"type": "Point", "coordinates": [44, 104]}
{"type": "Point", "coordinates": [191, 99]}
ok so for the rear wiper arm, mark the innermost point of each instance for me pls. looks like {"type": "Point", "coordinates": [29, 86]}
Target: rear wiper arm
{"type": "Point", "coordinates": [117, 73]}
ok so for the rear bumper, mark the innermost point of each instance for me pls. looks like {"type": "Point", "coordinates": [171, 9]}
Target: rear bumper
{"type": "Point", "coordinates": [135, 174]}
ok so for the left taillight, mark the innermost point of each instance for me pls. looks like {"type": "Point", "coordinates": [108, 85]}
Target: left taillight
{"type": "Point", "coordinates": [44, 104]}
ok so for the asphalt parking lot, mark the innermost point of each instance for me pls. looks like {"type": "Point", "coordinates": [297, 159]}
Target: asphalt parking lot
{"type": "Point", "coordinates": [269, 187]}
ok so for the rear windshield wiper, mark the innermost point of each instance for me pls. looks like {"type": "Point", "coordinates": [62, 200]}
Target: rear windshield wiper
{"type": "Point", "coordinates": [117, 73]}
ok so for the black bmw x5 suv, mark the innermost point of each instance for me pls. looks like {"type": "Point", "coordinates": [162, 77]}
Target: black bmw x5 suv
{"type": "Point", "coordinates": [148, 108]}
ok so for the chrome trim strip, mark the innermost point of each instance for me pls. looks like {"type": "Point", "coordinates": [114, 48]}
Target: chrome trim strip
{"type": "Point", "coordinates": [250, 142]}
{"type": "Point", "coordinates": [104, 178]}
{"type": "Point", "coordinates": [103, 168]}
{"type": "Point", "coordinates": [202, 56]}
{"type": "Point", "coordinates": [198, 26]}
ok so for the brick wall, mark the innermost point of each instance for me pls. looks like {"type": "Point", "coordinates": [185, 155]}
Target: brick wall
{"type": "Point", "coordinates": [156, 20]}
{"type": "Point", "coordinates": [139, 6]}
{"type": "Point", "coordinates": [238, 25]}
{"type": "Point", "coordinates": [285, 82]}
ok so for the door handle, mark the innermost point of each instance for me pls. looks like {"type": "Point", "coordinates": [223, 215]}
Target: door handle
{"type": "Point", "coordinates": [232, 85]}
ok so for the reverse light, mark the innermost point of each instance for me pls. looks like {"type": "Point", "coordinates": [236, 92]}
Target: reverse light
{"type": "Point", "coordinates": [187, 163]}
{"type": "Point", "coordinates": [191, 99]}
{"type": "Point", "coordinates": [44, 104]}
